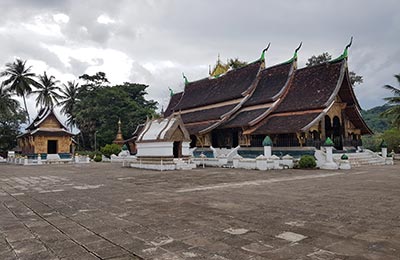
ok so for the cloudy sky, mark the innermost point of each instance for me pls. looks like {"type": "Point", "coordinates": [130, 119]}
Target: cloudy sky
{"type": "Point", "coordinates": [154, 41]}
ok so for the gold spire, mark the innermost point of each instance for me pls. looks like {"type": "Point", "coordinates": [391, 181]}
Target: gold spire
{"type": "Point", "coordinates": [119, 139]}
{"type": "Point", "coordinates": [219, 68]}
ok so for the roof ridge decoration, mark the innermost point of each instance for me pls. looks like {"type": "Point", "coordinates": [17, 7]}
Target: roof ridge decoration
{"type": "Point", "coordinates": [262, 58]}
{"type": "Point", "coordinates": [294, 58]}
{"type": "Point", "coordinates": [185, 79]}
{"type": "Point", "coordinates": [345, 52]}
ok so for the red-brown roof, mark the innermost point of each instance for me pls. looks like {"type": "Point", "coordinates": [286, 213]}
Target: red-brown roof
{"type": "Point", "coordinates": [243, 118]}
{"type": "Point", "coordinates": [226, 87]}
{"type": "Point", "coordinates": [206, 114]}
{"type": "Point", "coordinates": [311, 87]}
{"type": "Point", "coordinates": [172, 104]}
{"type": "Point", "coordinates": [286, 124]}
{"type": "Point", "coordinates": [272, 82]}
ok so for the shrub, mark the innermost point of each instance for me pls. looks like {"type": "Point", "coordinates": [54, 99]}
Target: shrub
{"type": "Point", "coordinates": [307, 161]}
{"type": "Point", "coordinates": [97, 158]}
{"type": "Point", "coordinates": [110, 149]}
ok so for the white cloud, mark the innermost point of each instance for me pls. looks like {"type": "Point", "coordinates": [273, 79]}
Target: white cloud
{"type": "Point", "coordinates": [61, 18]}
{"type": "Point", "coordinates": [105, 19]}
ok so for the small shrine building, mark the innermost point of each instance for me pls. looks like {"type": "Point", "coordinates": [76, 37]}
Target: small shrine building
{"type": "Point", "coordinates": [46, 135]}
{"type": "Point", "coordinates": [296, 107]}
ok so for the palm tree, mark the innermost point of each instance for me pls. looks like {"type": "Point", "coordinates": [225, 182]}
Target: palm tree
{"type": "Point", "coordinates": [19, 80]}
{"type": "Point", "coordinates": [69, 96]}
{"type": "Point", "coordinates": [394, 102]}
{"type": "Point", "coordinates": [7, 104]}
{"type": "Point", "coordinates": [47, 91]}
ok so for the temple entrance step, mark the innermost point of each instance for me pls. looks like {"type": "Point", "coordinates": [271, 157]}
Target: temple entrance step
{"type": "Point", "coordinates": [363, 158]}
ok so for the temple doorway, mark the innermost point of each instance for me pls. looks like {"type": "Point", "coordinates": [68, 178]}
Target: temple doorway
{"type": "Point", "coordinates": [337, 133]}
{"type": "Point", "coordinates": [52, 146]}
{"type": "Point", "coordinates": [177, 149]}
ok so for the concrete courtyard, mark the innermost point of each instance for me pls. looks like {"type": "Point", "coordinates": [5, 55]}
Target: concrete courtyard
{"type": "Point", "coordinates": [104, 211]}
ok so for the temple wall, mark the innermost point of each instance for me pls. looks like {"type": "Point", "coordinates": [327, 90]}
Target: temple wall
{"type": "Point", "coordinates": [63, 143]}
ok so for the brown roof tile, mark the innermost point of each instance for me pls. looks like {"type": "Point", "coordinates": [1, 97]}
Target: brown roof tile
{"type": "Point", "coordinates": [311, 87]}
{"type": "Point", "coordinates": [286, 124]}
{"type": "Point", "coordinates": [207, 114]}
{"type": "Point", "coordinates": [357, 120]}
{"type": "Point", "coordinates": [243, 118]}
{"type": "Point", "coordinates": [172, 104]}
{"type": "Point", "coordinates": [227, 87]}
{"type": "Point", "coordinates": [196, 128]}
{"type": "Point", "coordinates": [272, 80]}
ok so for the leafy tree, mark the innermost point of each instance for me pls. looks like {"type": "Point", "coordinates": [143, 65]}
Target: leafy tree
{"type": "Point", "coordinates": [110, 149]}
{"type": "Point", "coordinates": [20, 80]}
{"type": "Point", "coordinates": [69, 96]}
{"type": "Point", "coordinates": [97, 111]}
{"type": "Point", "coordinates": [7, 103]}
{"type": "Point", "coordinates": [394, 102]}
{"type": "Point", "coordinates": [94, 81]}
{"type": "Point", "coordinates": [47, 91]}
{"type": "Point", "coordinates": [236, 63]}
{"type": "Point", "coordinates": [11, 119]}
{"type": "Point", "coordinates": [374, 120]}
{"type": "Point", "coordinates": [324, 57]}
{"type": "Point", "coordinates": [392, 138]}
{"type": "Point", "coordinates": [319, 59]}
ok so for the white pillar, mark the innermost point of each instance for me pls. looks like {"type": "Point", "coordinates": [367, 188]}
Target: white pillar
{"type": "Point", "coordinates": [267, 151]}
{"type": "Point", "coordinates": [39, 159]}
{"type": "Point", "coordinates": [384, 152]}
{"type": "Point", "coordinates": [329, 154]}
{"type": "Point", "coordinates": [329, 164]}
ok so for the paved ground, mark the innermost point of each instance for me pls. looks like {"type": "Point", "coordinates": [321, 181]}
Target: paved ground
{"type": "Point", "coordinates": [103, 211]}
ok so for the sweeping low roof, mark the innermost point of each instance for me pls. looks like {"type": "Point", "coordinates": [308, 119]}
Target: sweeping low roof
{"type": "Point", "coordinates": [275, 99]}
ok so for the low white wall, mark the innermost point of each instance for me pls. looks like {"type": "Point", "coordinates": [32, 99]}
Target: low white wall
{"type": "Point", "coordinates": [186, 149]}
{"type": "Point", "coordinates": [161, 149]}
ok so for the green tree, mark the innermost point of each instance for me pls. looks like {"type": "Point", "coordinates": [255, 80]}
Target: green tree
{"type": "Point", "coordinates": [7, 103]}
{"type": "Point", "coordinates": [94, 81]}
{"type": "Point", "coordinates": [69, 96]}
{"type": "Point", "coordinates": [236, 63]}
{"type": "Point", "coordinates": [20, 80]}
{"type": "Point", "coordinates": [374, 120]}
{"type": "Point", "coordinates": [11, 118]}
{"type": "Point", "coordinates": [47, 91]}
{"type": "Point", "coordinates": [392, 138]}
{"type": "Point", "coordinates": [324, 57]}
{"type": "Point", "coordinates": [394, 110]}
{"type": "Point", "coordinates": [97, 112]}
{"type": "Point", "coordinates": [318, 59]}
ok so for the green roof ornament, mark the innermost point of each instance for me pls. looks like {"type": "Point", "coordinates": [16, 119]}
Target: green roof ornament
{"type": "Point", "coordinates": [186, 80]}
{"type": "Point", "coordinates": [263, 52]}
{"type": "Point", "coordinates": [383, 144]}
{"type": "Point", "coordinates": [267, 141]}
{"type": "Point", "coordinates": [124, 147]}
{"type": "Point", "coordinates": [344, 157]}
{"type": "Point", "coordinates": [294, 58]}
{"type": "Point", "coordinates": [171, 92]}
{"type": "Point", "coordinates": [328, 142]}
{"type": "Point", "coordinates": [345, 52]}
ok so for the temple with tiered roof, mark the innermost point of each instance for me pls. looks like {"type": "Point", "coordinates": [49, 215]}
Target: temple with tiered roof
{"type": "Point", "coordinates": [295, 107]}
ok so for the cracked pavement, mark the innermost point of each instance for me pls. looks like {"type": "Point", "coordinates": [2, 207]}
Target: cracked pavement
{"type": "Point", "coordinates": [104, 211]}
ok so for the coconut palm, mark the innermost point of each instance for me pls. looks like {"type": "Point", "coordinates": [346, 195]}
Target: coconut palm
{"type": "Point", "coordinates": [7, 103]}
{"type": "Point", "coordinates": [394, 102]}
{"type": "Point", "coordinates": [69, 96]}
{"type": "Point", "coordinates": [20, 80]}
{"type": "Point", "coordinates": [47, 91]}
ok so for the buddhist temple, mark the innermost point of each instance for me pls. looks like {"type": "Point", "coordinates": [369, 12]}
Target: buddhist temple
{"type": "Point", "coordinates": [296, 107]}
{"type": "Point", "coordinates": [46, 135]}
